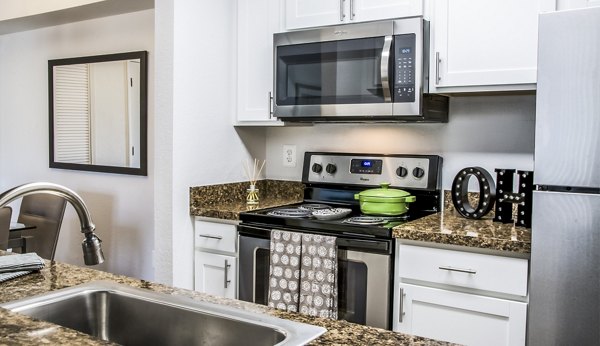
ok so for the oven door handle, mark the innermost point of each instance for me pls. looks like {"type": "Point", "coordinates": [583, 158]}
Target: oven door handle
{"type": "Point", "coordinates": [363, 244]}
{"type": "Point", "coordinates": [385, 67]}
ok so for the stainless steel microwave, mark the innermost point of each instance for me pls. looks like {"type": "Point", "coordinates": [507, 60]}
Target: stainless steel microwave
{"type": "Point", "coordinates": [357, 72]}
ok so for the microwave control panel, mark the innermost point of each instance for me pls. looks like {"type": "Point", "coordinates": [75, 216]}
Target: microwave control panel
{"type": "Point", "coordinates": [404, 68]}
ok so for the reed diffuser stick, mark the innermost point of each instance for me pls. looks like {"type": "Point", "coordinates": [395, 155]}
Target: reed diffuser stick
{"type": "Point", "coordinates": [253, 173]}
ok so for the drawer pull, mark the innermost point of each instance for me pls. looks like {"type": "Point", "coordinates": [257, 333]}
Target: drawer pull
{"type": "Point", "coordinates": [210, 236]}
{"type": "Point", "coordinates": [460, 270]}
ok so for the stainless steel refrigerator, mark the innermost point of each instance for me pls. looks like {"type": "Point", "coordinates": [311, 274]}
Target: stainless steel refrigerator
{"type": "Point", "coordinates": [564, 299]}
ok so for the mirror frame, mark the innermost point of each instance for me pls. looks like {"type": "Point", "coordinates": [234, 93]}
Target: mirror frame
{"type": "Point", "coordinates": [143, 56]}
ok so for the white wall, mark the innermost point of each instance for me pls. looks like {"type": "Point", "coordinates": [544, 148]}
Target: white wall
{"type": "Point", "coordinates": [487, 131]}
{"type": "Point", "coordinates": [120, 205]}
{"type": "Point", "coordinates": [197, 145]}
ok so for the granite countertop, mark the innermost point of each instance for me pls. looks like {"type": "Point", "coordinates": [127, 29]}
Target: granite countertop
{"type": "Point", "coordinates": [227, 201]}
{"type": "Point", "coordinates": [450, 228]}
{"type": "Point", "coordinates": [18, 329]}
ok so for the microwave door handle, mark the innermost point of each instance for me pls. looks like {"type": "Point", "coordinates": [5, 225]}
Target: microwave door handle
{"type": "Point", "coordinates": [384, 68]}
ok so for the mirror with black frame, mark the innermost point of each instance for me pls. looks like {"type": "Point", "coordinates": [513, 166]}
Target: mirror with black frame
{"type": "Point", "coordinates": [98, 113]}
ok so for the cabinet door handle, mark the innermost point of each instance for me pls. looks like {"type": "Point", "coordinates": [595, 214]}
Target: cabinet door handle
{"type": "Point", "coordinates": [460, 270]}
{"type": "Point", "coordinates": [342, 15]}
{"type": "Point", "coordinates": [210, 236]}
{"type": "Point", "coordinates": [401, 314]}
{"type": "Point", "coordinates": [437, 67]}
{"type": "Point", "coordinates": [271, 104]}
{"type": "Point", "coordinates": [227, 265]}
{"type": "Point", "coordinates": [352, 14]}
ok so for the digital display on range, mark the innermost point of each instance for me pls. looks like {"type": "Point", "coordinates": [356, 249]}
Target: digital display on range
{"type": "Point", "coordinates": [366, 166]}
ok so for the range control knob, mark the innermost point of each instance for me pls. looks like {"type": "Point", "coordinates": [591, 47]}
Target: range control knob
{"type": "Point", "coordinates": [317, 168]}
{"type": "Point", "coordinates": [401, 172]}
{"type": "Point", "coordinates": [418, 172]}
{"type": "Point", "coordinates": [330, 168]}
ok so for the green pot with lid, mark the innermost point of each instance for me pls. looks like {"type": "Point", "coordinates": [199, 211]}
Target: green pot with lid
{"type": "Point", "coordinates": [384, 201]}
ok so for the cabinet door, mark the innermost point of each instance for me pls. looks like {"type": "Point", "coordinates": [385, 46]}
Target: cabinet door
{"type": "Point", "coordinates": [459, 317]}
{"type": "Point", "coordinates": [258, 20]}
{"type": "Point", "coordinates": [485, 43]}
{"type": "Point", "coordinates": [311, 13]}
{"type": "Point", "coordinates": [366, 10]}
{"type": "Point", "coordinates": [215, 274]}
{"type": "Point", "coordinates": [572, 4]}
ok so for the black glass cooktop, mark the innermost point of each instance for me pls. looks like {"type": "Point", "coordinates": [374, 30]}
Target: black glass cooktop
{"type": "Point", "coordinates": [302, 217]}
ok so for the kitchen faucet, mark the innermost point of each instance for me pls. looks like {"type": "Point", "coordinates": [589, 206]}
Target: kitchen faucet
{"type": "Point", "coordinates": [92, 250]}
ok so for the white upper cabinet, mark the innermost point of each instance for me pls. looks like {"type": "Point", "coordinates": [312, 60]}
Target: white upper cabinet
{"type": "Point", "coordinates": [367, 10]}
{"type": "Point", "coordinates": [572, 4]}
{"type": "Point", "coordinates": [258, 20]}
{"type": "Point", "coordinates": [311, 13]}
{"type": "Point", "coordinates": [314, 13]}
{"type": "Point", "coordinates": [485, 45]}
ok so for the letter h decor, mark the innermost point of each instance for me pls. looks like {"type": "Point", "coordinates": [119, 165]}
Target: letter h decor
{"type": "Point", "coordinates": [505, 197]}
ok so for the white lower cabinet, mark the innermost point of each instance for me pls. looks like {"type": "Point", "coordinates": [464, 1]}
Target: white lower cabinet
{"type": "Point", "coordinates": [462, 318]}
{"type": "Point", "coordinates": [461, 297]}
{"type": "Point", "coordinates": [215, 257]}
{"type": "Point", "coordinates": [216, 274]}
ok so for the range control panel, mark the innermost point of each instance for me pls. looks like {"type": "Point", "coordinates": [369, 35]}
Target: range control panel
{"type": "Point", "coordinates": [401, 171]}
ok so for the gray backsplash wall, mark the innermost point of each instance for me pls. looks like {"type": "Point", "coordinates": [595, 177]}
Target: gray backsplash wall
{"type": "Point", "coordinates": [487, 131]}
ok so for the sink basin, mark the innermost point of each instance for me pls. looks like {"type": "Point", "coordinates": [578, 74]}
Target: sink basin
{"type": "Point", "coordinates": [132, 316]}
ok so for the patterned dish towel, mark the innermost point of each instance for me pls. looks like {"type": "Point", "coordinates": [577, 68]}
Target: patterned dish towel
{"type": "Point", "coordinates": [284, 272]}
{"type": "Point", "coordinates": [303, 273]}
{"type": "Point", "coordinates": [318, 276]}
{"type": "Point", "coordinates": [13, 266]}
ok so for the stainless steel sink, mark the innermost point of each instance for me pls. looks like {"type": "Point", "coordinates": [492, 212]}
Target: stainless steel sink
{"type": "Point", "coordinates": [132, 316]}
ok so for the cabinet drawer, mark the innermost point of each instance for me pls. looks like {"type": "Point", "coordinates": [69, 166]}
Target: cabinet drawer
{"type": "Point", "coordinates": [465, 269]}
{"type": "Point", "coordinates": [215, 236]}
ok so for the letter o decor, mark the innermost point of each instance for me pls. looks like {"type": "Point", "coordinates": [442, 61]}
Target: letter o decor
{"type": "Point", "coordinates": [460, 192]}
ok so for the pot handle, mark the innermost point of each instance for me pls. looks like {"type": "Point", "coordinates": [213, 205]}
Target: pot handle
{"type": "Point", "coordinates": [410, 199]}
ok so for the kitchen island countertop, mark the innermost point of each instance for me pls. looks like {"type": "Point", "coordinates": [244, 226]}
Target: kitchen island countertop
{"type": "Point", "coordinates": [16, 329]}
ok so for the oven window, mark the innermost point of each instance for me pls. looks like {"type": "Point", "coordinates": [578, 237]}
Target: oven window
{"type": "Point", "coordinates": [352, 291]}
{"type": "Point", "coordinates": [261, 276]}
{"type": "Point", "coordinates": [336, 72]}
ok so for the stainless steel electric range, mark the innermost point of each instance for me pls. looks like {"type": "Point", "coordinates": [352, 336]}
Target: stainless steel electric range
{"type": "Point", "coordinates": [365, 242]}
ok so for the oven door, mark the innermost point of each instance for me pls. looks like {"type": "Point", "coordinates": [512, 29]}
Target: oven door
{"type": "Point", "coordinates": [363, 278]}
